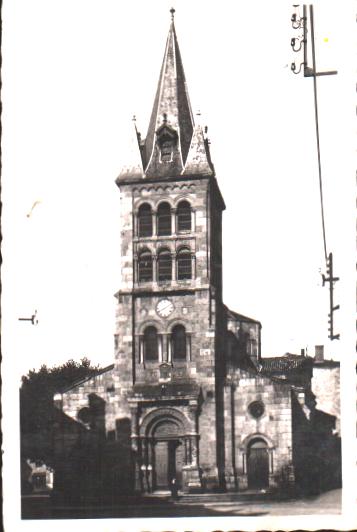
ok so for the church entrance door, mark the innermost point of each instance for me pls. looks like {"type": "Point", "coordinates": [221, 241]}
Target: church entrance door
{"type": "Point", "coordinates": [258, 464]}
{"type": "Point", "coordinates": [168, 463]}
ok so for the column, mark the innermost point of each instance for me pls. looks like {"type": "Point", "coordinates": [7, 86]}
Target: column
{"type": "Point", "coordinates": [243, 473]}
{"type": "Point", "coordinates": [135, 446]}
{"type": "Point", "coordinates": [169, 350]}
{"type": "Point", "coordinates": [160, 348]}
{"type": "Point", "coordinates": [174, 266]}
{"type": "Point", "coordinates": [173, 221]}
{"type": "Point", "coordinates": [135, 224]}
{"type": "Point", "coordinates": [194, 450]}
{"type": "Point", "coordinates": [189, 450]}
{"type": "Point", "coordinates": [134, 427]}
{"type": "Point", "coordinates": [188, 347]}
{"type": "Point", "coordinates": [165, 348]}
{"type": "Point", "coordinates": [271, 462]}
{"type": "Point", "coordinates": [193, 265]}
{"type": "Point", "coordinates": [151, 462]}
{"type": "Point", "coordinates": [193, 221]}
{"type": "Point", "coordinates": [154, 268]}
{"type": "Point", "coordinates": [154, 223]}
{"type": "Point", "coordinates": [135, 269]}
{"type": "Point", "coordinates": [144, 466]}
{"type": "Point", "coordinates": [185, 442]}
{"type": "Point", "coordinates": [141, 349]}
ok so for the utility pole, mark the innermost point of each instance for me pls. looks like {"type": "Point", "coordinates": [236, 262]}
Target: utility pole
{"type": "Point", "coordinates": [300, 44]}
{"type": "Point", "coordinates": [330, 279]}
{"type": "Point", "coordinates": [33, 318]}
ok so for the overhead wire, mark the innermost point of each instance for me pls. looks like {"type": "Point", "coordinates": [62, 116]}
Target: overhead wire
{"type": "Point", "coordinates": [318, 133]}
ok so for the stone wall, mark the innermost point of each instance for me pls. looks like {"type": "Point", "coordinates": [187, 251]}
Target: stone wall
{"type": "Point", "coordinates": [274, 427]}
{"type": "Point", "coordinates": [325, 384]}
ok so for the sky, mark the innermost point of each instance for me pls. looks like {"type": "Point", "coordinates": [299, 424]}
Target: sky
{"type": "Point", "coordinates": [76, 73]}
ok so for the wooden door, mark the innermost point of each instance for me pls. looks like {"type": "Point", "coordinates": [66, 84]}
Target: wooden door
{"type": "Point", "coordinates": [168, 463]}
{"type": "Point", "coordinates": [258, 465]}
{"type": "Point", "coordinates": [161, 465]}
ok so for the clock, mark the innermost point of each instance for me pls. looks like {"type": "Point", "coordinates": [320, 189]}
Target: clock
{"type": "Point", "coordinates": [164, 308]}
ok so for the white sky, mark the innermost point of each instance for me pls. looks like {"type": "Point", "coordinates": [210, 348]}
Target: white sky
{"type": "Point", "coordinates": [76, 72]}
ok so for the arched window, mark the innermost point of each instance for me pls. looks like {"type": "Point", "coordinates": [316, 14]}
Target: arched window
{"type": "Point", "coordinates": [145, 266]}
{"type": "Point", "coordinates": [179, 343]}
{"type": "Point", "coordinates": [151, 344]}
{"type": "Point", "coordinates": [183, 217]}
{"type": "Point", "coordinates": [145, 220]}
{"type": "Point", "coordinates": [164, 219]}
{"type": "Point", "coordinates": [184, 264]}
{"type": "Point", "coordinates": [164, 265]}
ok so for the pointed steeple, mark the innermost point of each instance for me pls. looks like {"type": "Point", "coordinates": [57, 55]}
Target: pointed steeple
{"type": "Point", "coordinates": [171, 125]}
{"type": "Point", "coordinates": [198, 160]}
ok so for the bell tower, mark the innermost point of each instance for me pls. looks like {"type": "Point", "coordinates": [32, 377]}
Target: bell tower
{"type": "Point", "coordinates": [169, 351]}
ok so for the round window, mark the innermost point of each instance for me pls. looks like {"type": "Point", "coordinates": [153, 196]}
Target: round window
{"type": "Point", "coordinates": [256, 409]}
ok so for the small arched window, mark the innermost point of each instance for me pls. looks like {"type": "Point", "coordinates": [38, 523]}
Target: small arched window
{"type": "Point", "coordinates": [145, 266]}
{"type": "Point", "coordinates": [164, 219]}
{"type": "Point", "coordinates": [167, 146]}
{"type": "Point", "coordinates": [164, 265]}
{"type": "Point", "coordinates": [183, 217]}
{"type": "Point", "coordinates": [151, 344]}
{"type": "Point", "coordinates": [184, 264]}
{"type": "Point", "coordinates": [179, 343]}
{"type": "Point", "coordinates": [145, 220]}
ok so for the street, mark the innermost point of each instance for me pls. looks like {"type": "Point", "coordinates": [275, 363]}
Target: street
{"type": "Point", "coordinates": [225, 504]}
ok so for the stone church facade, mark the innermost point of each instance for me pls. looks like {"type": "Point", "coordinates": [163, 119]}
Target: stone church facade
{"type": "Point", "coordinates": [189, 396]}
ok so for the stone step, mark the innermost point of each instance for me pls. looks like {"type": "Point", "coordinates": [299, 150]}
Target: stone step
{"type": "Point", "coordinates": [250, 495]}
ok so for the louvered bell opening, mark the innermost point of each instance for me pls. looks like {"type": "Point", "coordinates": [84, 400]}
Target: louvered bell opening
{"type": "Point", "coordinates": [184, 264]}
{"type": "Point", "coordinates": [145, 221]}
{"type": "Point", "coordinates": [164, 220]}
{"type": "Point", "coordinates": [164, 266]}
{"type": "Point", "coordinates": [145, 267]}
{"type": "Point", "coordinates": [184, 217]}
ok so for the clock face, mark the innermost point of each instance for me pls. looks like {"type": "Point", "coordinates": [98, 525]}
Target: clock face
{"type": "Point", "coordinates": [164, 308]}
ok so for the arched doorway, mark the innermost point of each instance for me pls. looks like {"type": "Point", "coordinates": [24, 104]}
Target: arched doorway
{"type": "Point", "coordinates": [258, 464]}
{"type": "Point", "coordinates": [168, 454]}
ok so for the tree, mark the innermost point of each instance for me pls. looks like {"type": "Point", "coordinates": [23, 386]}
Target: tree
{"type": "Point", "coordinates": [36, 404]}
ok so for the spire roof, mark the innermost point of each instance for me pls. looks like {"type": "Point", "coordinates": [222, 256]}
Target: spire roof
{"type": "Point", "coordinates": [198, 160]}
{"type": "Point", "coordinates": [171, 115]}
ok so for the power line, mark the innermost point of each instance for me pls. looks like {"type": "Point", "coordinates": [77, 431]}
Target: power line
{"type": "Point", "coordinates": [317, 129]}
{"type": "Point", "coordinates": [301, 23]}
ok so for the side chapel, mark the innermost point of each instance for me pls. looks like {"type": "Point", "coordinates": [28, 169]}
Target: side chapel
{"type": "Point", "coordinates": [188, 396]}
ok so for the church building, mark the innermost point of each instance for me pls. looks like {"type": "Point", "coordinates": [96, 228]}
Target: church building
{"type": "Point", "coordinates": [189, 396]}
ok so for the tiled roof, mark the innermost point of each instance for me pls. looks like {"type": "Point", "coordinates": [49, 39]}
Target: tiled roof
{"type": "Point", "coordinates": [85, 379]}
{"type": "Point", "coordinates": [284, 364]}
{"type": "Point", "coordinates": [326, 364]}
{"type": "Point", "coordinates": [240, 317]}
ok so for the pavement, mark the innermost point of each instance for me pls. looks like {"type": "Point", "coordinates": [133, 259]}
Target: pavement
{"type": "Point", "coordinates": [220, 504]}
